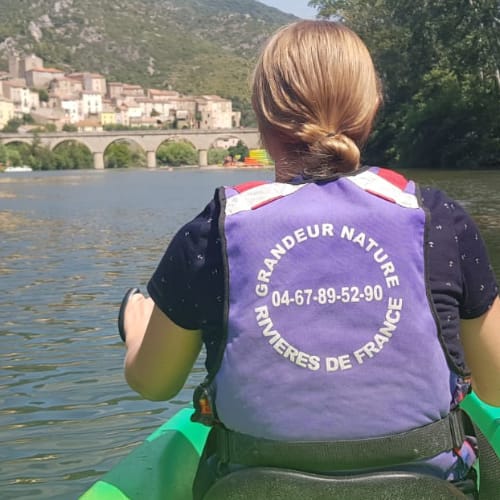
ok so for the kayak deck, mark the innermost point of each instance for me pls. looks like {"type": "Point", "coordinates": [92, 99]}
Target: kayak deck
{"type": "Point", "coordinates": [163, 467]}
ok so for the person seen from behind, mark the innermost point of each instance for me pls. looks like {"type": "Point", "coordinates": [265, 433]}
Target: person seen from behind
{"type": "Point", "coordinates": [340, 302]}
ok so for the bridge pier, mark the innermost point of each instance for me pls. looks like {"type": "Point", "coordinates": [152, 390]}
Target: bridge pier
{"type": "Point", "coordinates": [98, 160]}
{"type": "Point", "coordinates": [202, 157]}
{"type": "Point", "coordinates": [151, 159]}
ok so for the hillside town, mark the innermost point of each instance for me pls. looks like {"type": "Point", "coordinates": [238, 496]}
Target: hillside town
{"type": "Point", "coordinates": [87, 102]}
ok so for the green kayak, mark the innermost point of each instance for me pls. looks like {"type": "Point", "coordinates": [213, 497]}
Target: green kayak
{"type": "Point", "coordinates": [163, 467]}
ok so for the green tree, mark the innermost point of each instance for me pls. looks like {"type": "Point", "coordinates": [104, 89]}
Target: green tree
{"type": "Point", "coordinates": [198, 117]}
{"type": "Point", "coordinates": [176, 154]}
{"type": "Point", "coordinates": [216, 156]}
{"type": "Point", "coordinates": [40, 157]}
{"type": "Point", "coordinates": [19, 153]}
{"type": "Point", "coordinates": [43, 159]}
{"type": "Point", "coordinates": [28, 119]}
{"type": "Point", "coordinates": [13, 156]}
{"type": "Point", "coordinates": [239, 151]}
{"type": "Point", "coordinates": [243, 105]}
{"type": "Point", "coordinates": [43, 95]}
{"type": "Point", "coordinates": [439, 62]}
{"type": "Point", "coordinates": [72, 155]}
{"type": "Point", "coordinates": [12, 126]}
{"type": "Point", "coordinates": [46, 127]}
{"type": "Point", "coordinates": [69, 127]}
{"type": "Point", "coordinates": [138, 158]}
{"type": "Point", "coordinates": [109, 127]}
{"type": "Point", "coordinates": [3, 154]}
{"type": "Point", "coordinates": [118, 155]}
{"type": "Point", "coordinates": [122, 154]}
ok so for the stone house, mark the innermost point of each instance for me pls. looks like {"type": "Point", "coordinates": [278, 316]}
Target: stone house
{"type": "Point", "coordinates": [89, 125]}
{"type": "Point", "coordinates": [122, 116]}
{"type": "Point", "coordinates": [40, 78]}
{"type": "Point", "coordinates": [18, 66]}
{"type": "Point", "coordinates": [64, 87]}
{"type": "Point", "coordinates": [53, 116]}
{"type": "Point", "coordinates": [24, 99]}
{"type": "Point", "coordinates": [214, 112]}
{"type": "Point", "coordinates": [162, 95]}
{"type": "Point", "coordinates": [115, 90]}
{"type": "Point", "coordinates": [91, 82]}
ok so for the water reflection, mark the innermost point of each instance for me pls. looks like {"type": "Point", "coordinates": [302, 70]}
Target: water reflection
{"type": "Point", "coordinates": [71, 245]}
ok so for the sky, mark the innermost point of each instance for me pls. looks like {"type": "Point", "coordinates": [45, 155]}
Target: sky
{"type": "Point", "coordinates": [297, 7]}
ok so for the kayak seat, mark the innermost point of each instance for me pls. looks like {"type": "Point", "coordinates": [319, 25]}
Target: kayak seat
{"type": "Point", "coordinates": [268, 483]}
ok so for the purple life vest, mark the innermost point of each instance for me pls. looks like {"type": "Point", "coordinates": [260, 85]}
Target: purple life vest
{"type": "Point", "coordinates": [331, 332]}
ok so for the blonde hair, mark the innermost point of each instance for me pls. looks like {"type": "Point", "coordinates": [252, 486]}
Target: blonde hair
{"type": "Point", "coordinates": [316, 91]}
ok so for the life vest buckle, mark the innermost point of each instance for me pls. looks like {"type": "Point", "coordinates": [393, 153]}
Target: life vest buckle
{"type": "Point", "coordinates": [204, 407]}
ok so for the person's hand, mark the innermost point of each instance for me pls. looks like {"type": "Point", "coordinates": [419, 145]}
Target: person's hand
{"type": "Point", "coordinates": [136, 317]}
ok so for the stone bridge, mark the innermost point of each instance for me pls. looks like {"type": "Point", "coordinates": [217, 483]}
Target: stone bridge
{"type": "Point", "coordinates": [148, 140]}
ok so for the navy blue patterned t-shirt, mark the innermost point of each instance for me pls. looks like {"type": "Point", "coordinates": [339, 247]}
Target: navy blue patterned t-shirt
{"type": "Point", "coordinates": [188, 285]}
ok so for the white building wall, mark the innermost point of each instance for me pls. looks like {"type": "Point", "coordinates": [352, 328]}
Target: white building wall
{"type": "Point", "coordinates": [71, 109]}
{"type": "Point", "coordinates": [91, 104]}
{"type": "Point", "coordinates": [21, 97]}
{"type": "Point", "coordinates": [134, 112]}
{"type": "Point", "coordinates": [34, 100]}
{"type": "Point", "coordinates": [146, 106]}
{"type": "Point", "coordinates": [6, 111]}
{"type": "Point", "coordinates": [224, 114]}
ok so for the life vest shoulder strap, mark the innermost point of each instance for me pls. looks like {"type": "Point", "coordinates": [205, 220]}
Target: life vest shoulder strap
{"type": "Point", "coordinates": [388, 185]}
{"type": "Point", "coordinates": [393, 177]}
{"type": "Point", "coordinates": [253, 195]}
{"type": "Point", "coordinates": [245, 186]}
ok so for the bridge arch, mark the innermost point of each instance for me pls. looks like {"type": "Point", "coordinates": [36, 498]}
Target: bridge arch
{"type": "Point", "coordinates": [134, 148]}
{"type": "Point", "coordinates": [80, 140]}
{"type": "Point", "coordinates": [176, 151]}
{"type": "Point", "coordinates": [16, 140]}
{"type": "Point", "coordinates": [18, 151]}
{"type": "Point", "coordinates": [72, 154]}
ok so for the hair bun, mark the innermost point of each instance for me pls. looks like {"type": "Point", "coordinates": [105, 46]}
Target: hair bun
{"type": "Point", "coordinates": [338, 149]}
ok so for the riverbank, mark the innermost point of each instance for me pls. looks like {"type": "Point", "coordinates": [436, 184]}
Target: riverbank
{"type": "Point", "coordinates": [241, 166]}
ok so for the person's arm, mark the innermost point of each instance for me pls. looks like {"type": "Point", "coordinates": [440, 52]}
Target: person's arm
{"type": "Point", "coordinates": [160, 354]}
{"type": "Point", "coordinates": [481, 341]}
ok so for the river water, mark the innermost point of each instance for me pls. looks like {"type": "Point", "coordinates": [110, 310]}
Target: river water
{"type": "Point", "coordinates": [71, 244]}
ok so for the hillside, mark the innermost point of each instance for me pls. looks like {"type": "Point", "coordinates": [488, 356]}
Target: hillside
{"type": "Point", "coordinates": [193, 46]}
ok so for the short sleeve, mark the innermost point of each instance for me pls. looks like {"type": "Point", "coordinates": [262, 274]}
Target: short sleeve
{"type": "Point", "coordinates": [479, 282]}
{"type": "Point", "coordinates": [187, 285]}
{"type": "Point", "coordinates": [457, 245]}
